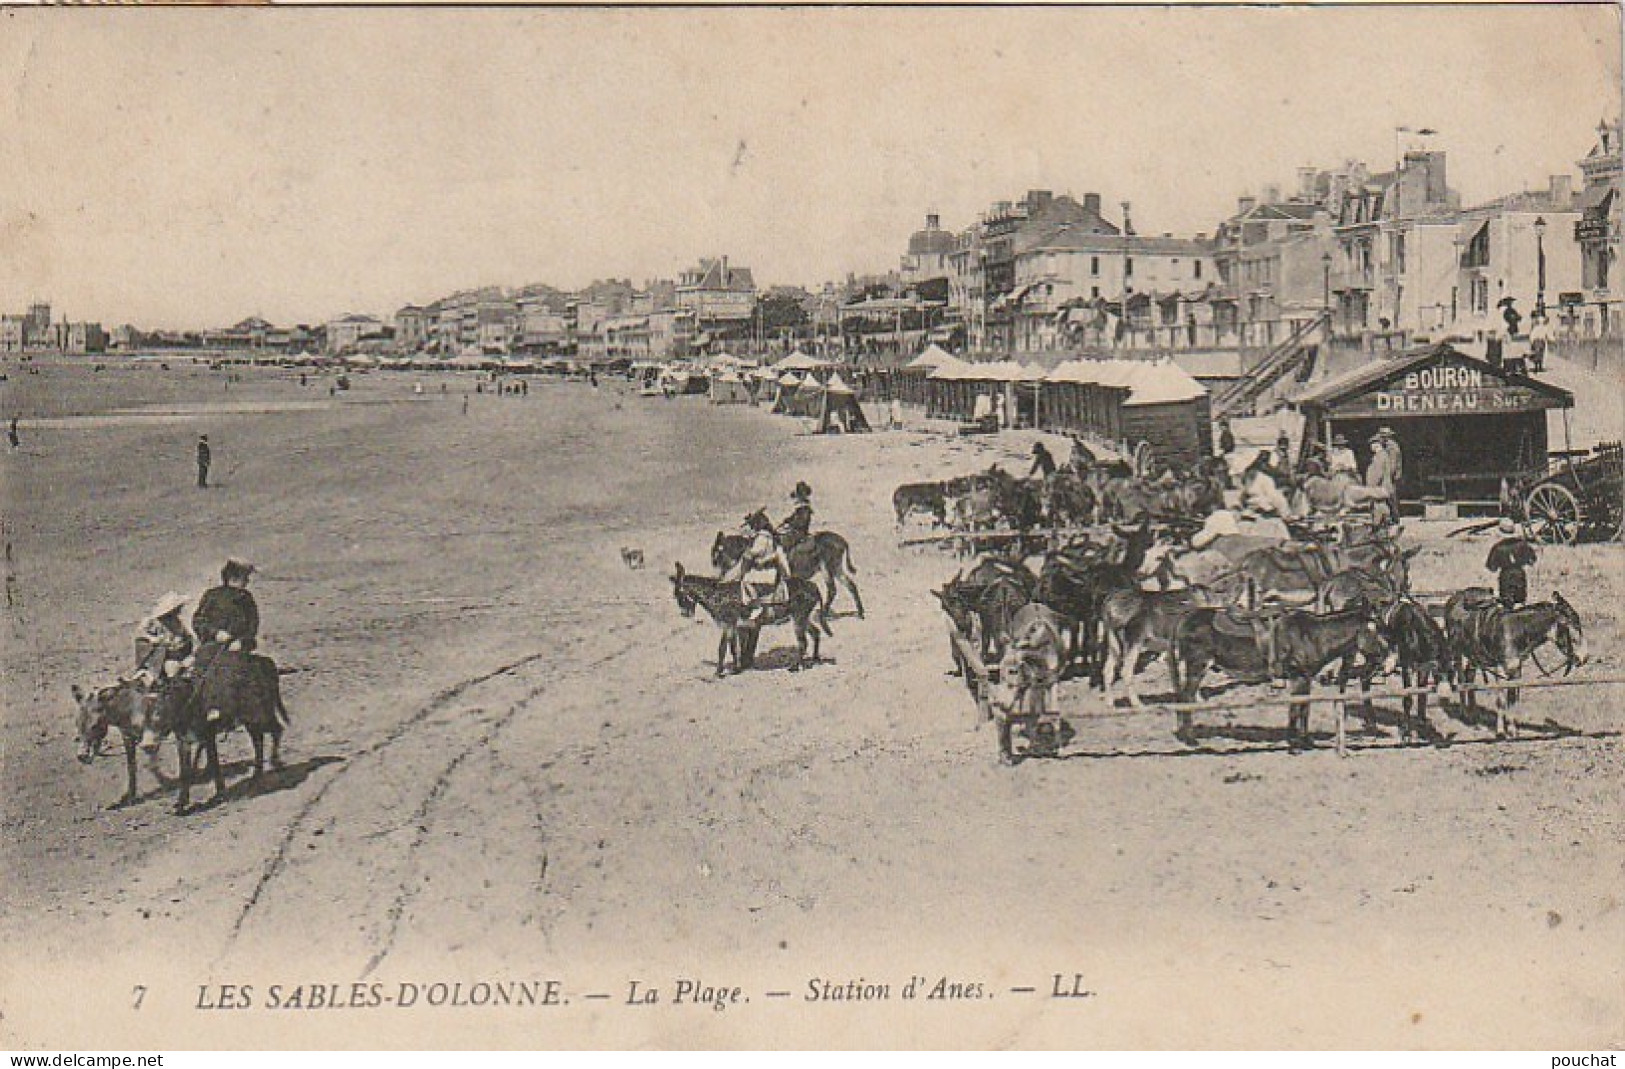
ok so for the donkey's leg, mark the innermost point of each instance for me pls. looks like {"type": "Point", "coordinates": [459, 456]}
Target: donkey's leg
{"type": "Point", "coordinates": [1506, 724]}
{"type": "Point", "coordinates": [211, 743]}
{"type": "Point", "coordinates": [129, 768]}
{"type": "Point", "coordinates": [259, 751]}
{"type": "Point", "coordinates": [184, 754]}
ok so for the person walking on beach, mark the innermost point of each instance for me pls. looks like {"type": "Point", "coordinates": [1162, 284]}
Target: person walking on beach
{"type": "Point", "coordinates": [12, 436]}
{"type": "Point", "coordinates": [465, 404]}
{"type": "Point", "coordinates": [204, 458]}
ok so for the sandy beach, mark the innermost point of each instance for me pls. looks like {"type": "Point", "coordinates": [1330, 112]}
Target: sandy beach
{"type": "Point", "coordinates": [510, 762]}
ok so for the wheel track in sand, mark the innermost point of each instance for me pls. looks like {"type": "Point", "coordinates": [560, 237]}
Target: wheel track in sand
{"type": "Point", "coordinates": [465, 693]}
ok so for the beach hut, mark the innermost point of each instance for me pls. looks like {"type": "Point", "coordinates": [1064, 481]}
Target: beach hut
{"type": "Point", "coordinates": [1169, 410]}
{"type": "Point", "coordinates": [840, 410]}
{"type": "Point", "coordinates": [912, 380]}
{"type": "Point", "coordinates": [1074, 399]}
{"type": "Point", "coordinates": [951, 389]}
{"type": "Point", "coordinates": [727, 388]}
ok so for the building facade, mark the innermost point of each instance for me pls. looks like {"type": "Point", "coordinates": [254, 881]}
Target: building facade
{"type": "Point", "coordinates": [1598, 311]}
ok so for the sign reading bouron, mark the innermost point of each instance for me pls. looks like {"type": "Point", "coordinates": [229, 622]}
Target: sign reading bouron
{"type": "Point", "coordinates": [1446, 390]}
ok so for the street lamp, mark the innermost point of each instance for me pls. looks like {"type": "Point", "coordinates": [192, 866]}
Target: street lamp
{"type": "Point", "coordinates": [1540, 267]}
{"type": "Point", "coordinates": [1326, 284]}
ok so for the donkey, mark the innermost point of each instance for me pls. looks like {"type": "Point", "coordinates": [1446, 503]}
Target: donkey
{"type": "Point", "coordinates": [123, 705]}
{"type": "Point", "coordinates": [1137, 621]}
{"type": "Point", "coordinates": [1422, 654]}
{"type": "Point", "coordinates": [724, 603]}
{"type": "Point", "coordinates": [824, 551]}
{"type": "Point", "coordinates": [1485, 636]}
{"type": "Point", "coordinates": [233, 690]}
{"type": "Point", "coordinates": [1302, 644]}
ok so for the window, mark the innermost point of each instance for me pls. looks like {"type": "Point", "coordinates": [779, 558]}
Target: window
{"type": "Point", "coordinates": [1094, 291]}
{"type": "Point", "coordinates": [1094, 266]}
{"type": "Point", "coordinates": [1197, 269]}
{"type": "Point", "coordinates": [1128, 267]}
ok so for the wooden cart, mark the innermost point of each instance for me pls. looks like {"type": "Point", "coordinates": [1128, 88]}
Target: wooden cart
{"type": "Point", "coordinates": [1573, 498]}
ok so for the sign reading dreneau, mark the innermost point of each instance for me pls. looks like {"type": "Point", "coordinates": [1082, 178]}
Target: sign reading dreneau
{"type": "Point", "coordinates": [1446, 390]}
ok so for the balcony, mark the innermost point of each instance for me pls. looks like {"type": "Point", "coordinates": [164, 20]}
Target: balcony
{"type": "Point", "coordinates": [1354, 278]}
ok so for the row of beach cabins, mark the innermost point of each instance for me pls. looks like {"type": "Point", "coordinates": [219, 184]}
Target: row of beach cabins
{"type": "Point", "coordinates": [1114, 403]}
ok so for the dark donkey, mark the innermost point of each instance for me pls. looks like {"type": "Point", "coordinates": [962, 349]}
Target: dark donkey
{"type": "Point", "coordinates": [231, 690]}
{"type": "Point", "coordinates": [1074, 591]}
{"type": "Point", "coordinates": [1423, 654]}
{"type": "Point", "coordinates": [124, 705]}
{"type": "Point", "coordinates": [1302, 644]}
{"type": "Point", "coordinates": [1485, 636]}
{"type": "Point", "coordinates": [725, 604]}
{"type": "Point", "coordinates": [821, 551]}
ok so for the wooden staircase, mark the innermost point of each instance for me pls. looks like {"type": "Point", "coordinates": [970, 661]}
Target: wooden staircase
{"type": "Point", "coordinates": [1285, 358]}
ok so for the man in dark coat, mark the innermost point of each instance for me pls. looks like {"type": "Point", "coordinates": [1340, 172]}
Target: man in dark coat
{"type": "Point", "coordinates": [204, 457]}
{"type": "Point", "coordinates": [1043, 463]}
{"type": "Point", "coordinates": [1509, 558]}
{"type": "Point", "coordinates": [226, 615]}
{"type": "Point", "coordinates": [798, 524]}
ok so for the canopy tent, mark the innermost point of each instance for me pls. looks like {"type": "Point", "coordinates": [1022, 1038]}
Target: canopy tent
{"type": "Point", "coordinates": [729, 389]}
{"type": "Point", "coordinates": [805, 400]}
{"type": "Point", "coordinates": [933, 356]}
{"type": "Point", "coordinates": [800, 361]}
{"type": "Point", "coordinates": [840, 411]}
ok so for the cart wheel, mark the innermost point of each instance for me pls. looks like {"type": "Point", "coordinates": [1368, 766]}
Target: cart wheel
{"type": "Point", "coordinates": [1554, 514]}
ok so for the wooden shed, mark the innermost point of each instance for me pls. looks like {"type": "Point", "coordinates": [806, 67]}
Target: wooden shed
{"type": "Point", "coordinates": [1462, 423]}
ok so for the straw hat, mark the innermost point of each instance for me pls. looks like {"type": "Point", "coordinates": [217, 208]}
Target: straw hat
{"type": "Point", "coordinates": [166, 605]}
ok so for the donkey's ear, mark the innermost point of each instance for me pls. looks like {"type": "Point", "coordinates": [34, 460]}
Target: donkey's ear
{"type": "Point", "coordinates": [78, 695]}
{"type": "Point", "coordinates": [1408, 554]}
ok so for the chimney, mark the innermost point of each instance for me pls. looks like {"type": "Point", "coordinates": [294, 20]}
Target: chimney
{"type": "Point", "coordinates": [1245, 205]}
{"type": "Point", "coordinates": [1562, 190]}
{"type": "Point", "coordinates": [1128, 221]}
{"type": "Point", "coordinates": [1038, 198]}
{"type": "Point", "coordinates": [933, 221]}
{"type": "Point", "coordinates": [1091, 203]}
{"type": "Point", "coordinates": [1306, 183]}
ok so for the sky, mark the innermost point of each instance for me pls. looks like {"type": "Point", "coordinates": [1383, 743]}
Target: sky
{"type": "Point", "coordinates": [188, 168]}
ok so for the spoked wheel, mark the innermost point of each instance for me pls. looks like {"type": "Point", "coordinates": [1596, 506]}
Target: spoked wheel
{"type": "Point", "coordinates": [1554, 514]}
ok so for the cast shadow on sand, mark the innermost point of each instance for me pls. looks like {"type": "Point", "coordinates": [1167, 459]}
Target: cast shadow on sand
{"type": "Point", "coordinates": [240, 783]}
{"type": "Point", "coordinates": [1379, 733]}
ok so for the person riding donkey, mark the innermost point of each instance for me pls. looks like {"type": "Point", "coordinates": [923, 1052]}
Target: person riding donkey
{"type": "Point", "coordinates": [227, 619]}
{"type": "Point", "coordinates": [763, 572]}
{"type": "Point", "coordinates": [798, 525]}
{"type": "Point", "coordinates": [163, 645]}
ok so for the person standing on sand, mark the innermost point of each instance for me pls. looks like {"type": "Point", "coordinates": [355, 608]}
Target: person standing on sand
{"type": "Point", "coordinates": [465, 404]}
{"type": "Point", "coordinates": [12, 436]}
{"type": "Point", "coordinates": [204, 458]}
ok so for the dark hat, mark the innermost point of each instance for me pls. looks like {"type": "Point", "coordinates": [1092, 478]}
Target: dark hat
{"type": "Point", "coordinates": [1339, 439]}
{"type": "Point", "coordinates": [236, 569]}
{"type": "Point", "coordinates": [203, 437]}
{"type": "Point", "coordinates": [801, 493]}
{"type": "Point", "coordinates": [1384, 432]}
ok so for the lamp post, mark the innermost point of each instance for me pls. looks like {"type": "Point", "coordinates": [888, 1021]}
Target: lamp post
{"type": "Point", "coordinates": [1540, 267]}
{"type": "Point", "coordinates": [1326, 286]}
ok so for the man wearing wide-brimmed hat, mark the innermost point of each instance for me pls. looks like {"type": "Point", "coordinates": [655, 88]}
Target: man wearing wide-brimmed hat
{"type": "Point", "coordinates": [162, 643]}
{"type": "Point", "coordinates": [798, 524]}
{"type": "Point", "coordinates": [1341, 458]}
{"type": "Point", "coordinates": [1383, 473]}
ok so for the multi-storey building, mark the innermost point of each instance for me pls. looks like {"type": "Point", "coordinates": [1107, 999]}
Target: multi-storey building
{"type": "Point", "coordinates": [1516, 251]}
{"type": "Point", "coordinates": [411, 327]}
{"type": "Point", "coordinates": [719, 295]}
{"type": "Point", "coordinates": [1598, 311]}
{"type": "Point", "coordinates": [1392, 262]}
